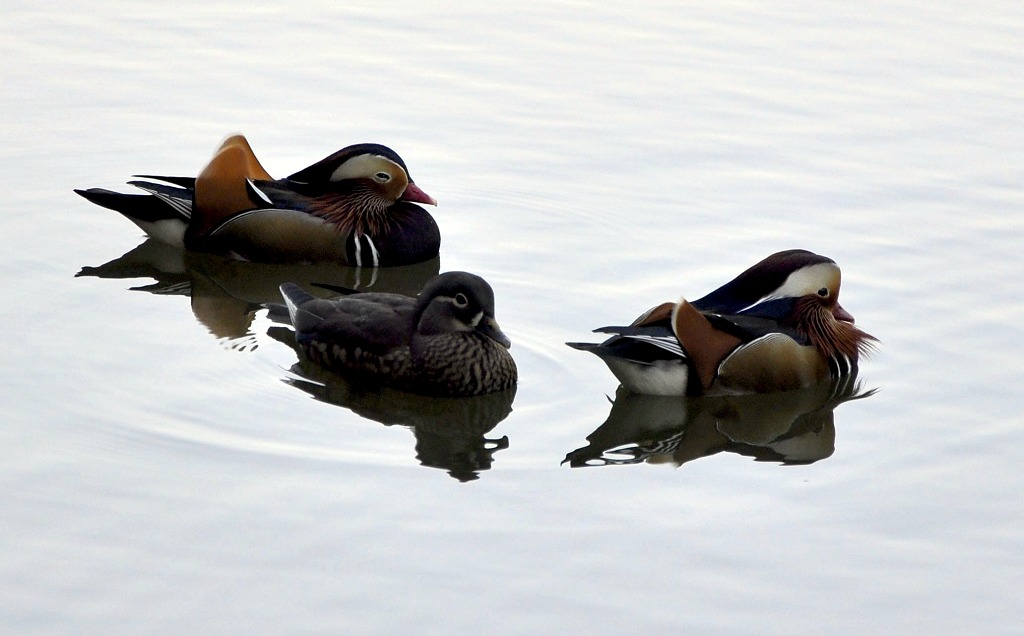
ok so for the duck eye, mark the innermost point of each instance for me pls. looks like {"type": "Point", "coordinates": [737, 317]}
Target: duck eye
{"type": "Point", "coordinates": [382, 177]}
{"type": "Point", "coordinates": [461, 301]}
{"type": "Point", "coordinates": [823, 292]}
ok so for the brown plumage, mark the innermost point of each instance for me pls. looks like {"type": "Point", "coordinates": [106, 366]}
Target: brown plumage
{"type": "Point", "coordinates": [833, 337]}
{"type": "Point", "coordinates": [355, 207]}
{"type": "Point", "coordinates": [776, 326]}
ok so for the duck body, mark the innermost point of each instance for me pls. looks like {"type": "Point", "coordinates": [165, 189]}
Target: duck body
{"type": "Point", "coordinates": [777, 326]}
{"type": "Point", "coordinates": [446, 342]}
{"type": "Point", "coordinates": [355, 207]}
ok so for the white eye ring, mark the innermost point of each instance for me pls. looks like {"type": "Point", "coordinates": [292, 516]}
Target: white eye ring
{"type": "Point", "coordinates": [382, 177]}
{"type": "Point", "coordinates": [460, 300]}
{"type": "Point", "coordinates": [823, 292]}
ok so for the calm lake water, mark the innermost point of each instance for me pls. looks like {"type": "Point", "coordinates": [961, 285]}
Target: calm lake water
{"type": "Point", "coordinates": [168, 467]}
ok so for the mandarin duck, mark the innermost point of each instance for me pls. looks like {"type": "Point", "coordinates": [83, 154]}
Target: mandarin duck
{"type": "Point", "coordinates": [444, 343]}
{"type": "Point", "coordinates": [775, 327]}
{"type": "Point", "coordinates": [355, 207]}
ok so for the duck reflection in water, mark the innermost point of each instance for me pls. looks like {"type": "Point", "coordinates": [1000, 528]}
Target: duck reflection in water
{"type": "Point", "coordinates": [450, 432]}
{"type": "Point", "coordinates": [227, 293]}
{"type": "Point", "coordinates": [789, 427]}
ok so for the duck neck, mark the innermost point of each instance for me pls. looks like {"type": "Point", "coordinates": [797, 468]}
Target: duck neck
{"type": "Point", "coordinates": [836, 340]}
{"type": "Point", "coordinates": [360, 211]}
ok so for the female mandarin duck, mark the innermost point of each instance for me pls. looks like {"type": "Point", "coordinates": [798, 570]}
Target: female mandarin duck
{"type": "Point", "coordinates": [445, 343]}
{"type": "Point", "coordinates": [355, 207]}
{"type": "Point", "coordinates": [776, 326]}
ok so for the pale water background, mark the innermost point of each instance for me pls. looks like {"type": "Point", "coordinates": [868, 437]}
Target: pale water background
{"type": "Point", "coordinates": [159, 475]}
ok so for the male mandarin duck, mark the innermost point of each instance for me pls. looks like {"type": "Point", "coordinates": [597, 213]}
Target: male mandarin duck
{"type": "Point", "coordinates": [355, 207]}
{"type": "Point", "coordinates": [446, 342]}
{"type": "Point", "coordinates": [777, 326]}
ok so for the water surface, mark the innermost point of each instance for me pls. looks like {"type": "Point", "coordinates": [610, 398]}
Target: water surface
{"type": "Point", "coordinates": [168, 466]}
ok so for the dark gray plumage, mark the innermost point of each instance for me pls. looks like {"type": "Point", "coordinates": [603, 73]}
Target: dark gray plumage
{"type": "Point", "coordinates": [446, 342]}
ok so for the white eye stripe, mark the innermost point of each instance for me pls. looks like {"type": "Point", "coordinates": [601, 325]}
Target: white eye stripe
{"type": "Point", "coordinates": [809, 280]}
{"type": "Point", "coordinates": [804, 282]}
{"type": "Point", "coordinates": [366, 167]}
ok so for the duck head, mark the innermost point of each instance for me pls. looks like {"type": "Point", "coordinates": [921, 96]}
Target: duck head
{"type": "Point", "coordinates": [458, 302]}
{"type": "Point", "coordinates": [828, 326]}
{"type": "Point", "coordinates": [806, 299]}
{"type": "Point", "coordinates": [356, 186]}
{"type": "Point", "coordinates": [789, 273]}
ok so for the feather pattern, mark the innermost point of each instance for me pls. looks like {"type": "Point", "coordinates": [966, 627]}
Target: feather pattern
{"type": "Point", "coordinates": [837, 340]}
{"type": "Point", "coordinates": [776, 326]}
{"type": "Point", "coordinates": [359, 200]}
{"type": "Point", "coordinates": [446, 342]}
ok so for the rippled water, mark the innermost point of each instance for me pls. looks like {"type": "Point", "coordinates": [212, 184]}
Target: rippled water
{"type": "Point", "coordinates": [169, 464]}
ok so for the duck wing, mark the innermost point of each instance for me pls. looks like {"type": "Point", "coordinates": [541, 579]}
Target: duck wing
{"type": "Point", "coordinates": [374, 321]}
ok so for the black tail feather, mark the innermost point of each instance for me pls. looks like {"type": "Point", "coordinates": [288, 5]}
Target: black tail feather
{"type": "Point", "coordinates": [184, 182]}
{"type": "Point", "coordinates": [295, 294]}
{"type": "Point", "coordinates": [143, 207]}
{"type": "Point", "coordinates": [173, 192]}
